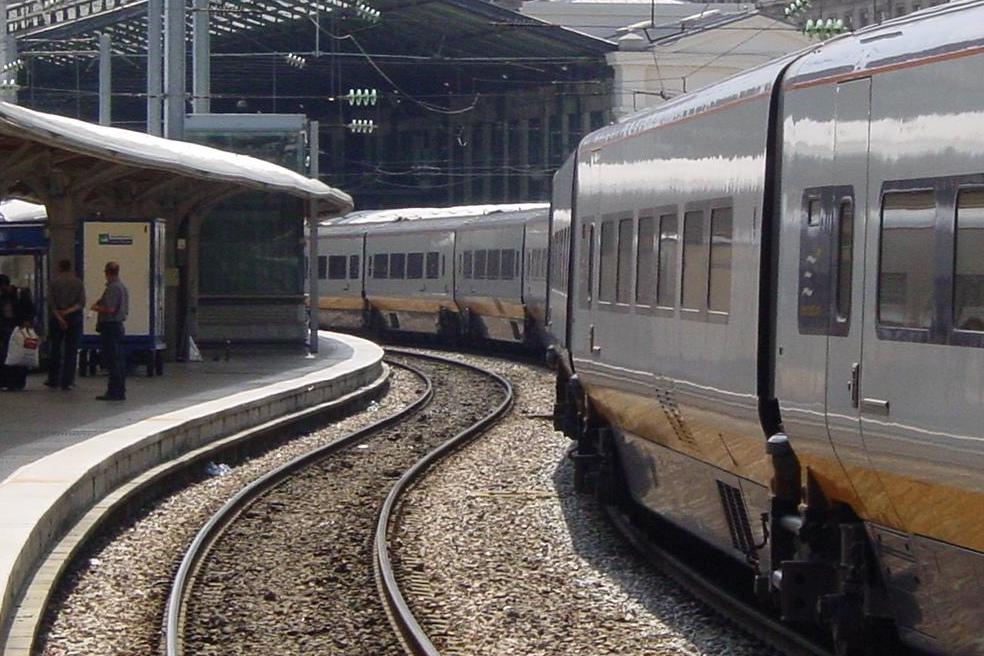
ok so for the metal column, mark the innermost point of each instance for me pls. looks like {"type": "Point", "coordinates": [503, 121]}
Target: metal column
{"type": "Point", "coordinates": [155, 65]}
{"type": "Point", "coordinates": [105, 81]}
{"type": "Point", "coordinates": [201, 94]}
{"type": "Point", "coordinates": [314, 294]}
{"type": "Point", "coordinates": [174, 68]}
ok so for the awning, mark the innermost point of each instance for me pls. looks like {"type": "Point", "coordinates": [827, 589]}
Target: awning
{"type": "Point", "coordinates": [89, 152]}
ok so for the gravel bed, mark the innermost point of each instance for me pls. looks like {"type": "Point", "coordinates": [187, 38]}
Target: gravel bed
{"type": "Point", "coordinates": [294, 574]}
{"type": "Point", "coordinates": [112, 599]}
{"type": "Point", "coordinates": [501, 556]}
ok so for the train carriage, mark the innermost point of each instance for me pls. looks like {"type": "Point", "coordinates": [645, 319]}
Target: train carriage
{"type": "Point", "coordinates": [879, 286]}
{"type": "Point", "coordinates": [409, 277]}
{"type": "Point", "coordinates": [489, 284]}
{"type": "Point", "coordinates": [793, 254]}
{"type": "Point", "coordinates": [341, 304]}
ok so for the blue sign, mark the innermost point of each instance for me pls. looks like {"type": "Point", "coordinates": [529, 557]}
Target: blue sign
{"type": "Point", "coordinates": [22, 239]}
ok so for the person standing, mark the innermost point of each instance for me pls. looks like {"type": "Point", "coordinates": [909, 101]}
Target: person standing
{"type": "Point", "coordinates": [66, 301]}
{"type": "Point", "coordinates": [16, 311]}
{"type": "Point", "coordinates": [113, 307]}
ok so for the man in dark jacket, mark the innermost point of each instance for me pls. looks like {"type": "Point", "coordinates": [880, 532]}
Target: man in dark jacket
{"type": "Point", "coordinates": [16, 311]}
{"type": "Point", "coordinates": [66, 301]}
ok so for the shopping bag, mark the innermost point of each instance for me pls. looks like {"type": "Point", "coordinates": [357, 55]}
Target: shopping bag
{"type": "Point", "coordinates": [23, 348]}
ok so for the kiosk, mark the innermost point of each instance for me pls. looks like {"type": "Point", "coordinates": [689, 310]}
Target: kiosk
{"type": "Point", "coordinates": [23, 258]}
{"type": "Point", "coordinates": [138, 246]}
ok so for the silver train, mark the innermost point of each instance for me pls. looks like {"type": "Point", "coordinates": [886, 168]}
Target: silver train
{"type": "Point", "coordinates": [467, 277]}
{"type": "Point", "coordinates": [765, 304]}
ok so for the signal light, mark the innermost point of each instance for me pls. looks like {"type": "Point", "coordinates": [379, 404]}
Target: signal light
{"type": "Point", "coordinates": [362, 97]}
{"type": "Point", "coordinates": [295, 60]}
{"type": "Point", "coordinates": [367, 13]}
{"type": "Point", "coordinates": [362, 126]}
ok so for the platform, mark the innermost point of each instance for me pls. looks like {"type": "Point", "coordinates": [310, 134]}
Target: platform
{"type": "Point", "coordinates": [61, 451]}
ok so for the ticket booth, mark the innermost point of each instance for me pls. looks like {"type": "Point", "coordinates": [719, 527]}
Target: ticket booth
{"type": "Point", "coordinates": [138, 246]}
{"type": "Point", "coordinates": [23, 258]}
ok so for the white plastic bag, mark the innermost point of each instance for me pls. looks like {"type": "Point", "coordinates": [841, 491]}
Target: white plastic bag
{"type": "Point", "coordinates": [23, 348]}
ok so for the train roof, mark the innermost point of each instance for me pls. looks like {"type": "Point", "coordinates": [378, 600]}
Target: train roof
{"type": "Point", "coordinates": [419, 213]}
{"type": "Point", "coordinates": [932, 32]}
{"type": "Point", "coordinates": [752, 83]}
{"type": "Point", "coordinates": [498, 217]}
{"type": "Point", "coordinates": [935, 32]}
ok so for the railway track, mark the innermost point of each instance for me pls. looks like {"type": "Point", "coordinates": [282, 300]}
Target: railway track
{"type": "Point", "coordinates": [459, 400]}
{"type": "Point", "coordinates": [748, 618]}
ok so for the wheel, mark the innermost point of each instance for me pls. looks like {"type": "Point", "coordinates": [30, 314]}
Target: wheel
{"type": "Point", "coordinates": [159, 363]}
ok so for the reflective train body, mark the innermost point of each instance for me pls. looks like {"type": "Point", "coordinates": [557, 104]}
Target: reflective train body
{"type": "Point", "coordinates": [474, 276]}
{"type": "Point", "coordinates": [765, 304]}
{"type": "Point", "coordinates": [797, 254]}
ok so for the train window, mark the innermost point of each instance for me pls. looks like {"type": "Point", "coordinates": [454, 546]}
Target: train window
{"type": "Point", "coordinates": [646, 261]}
{"type": "Point", "coordinates": [813, 212]}
{"type": "Point", "coordinates": [415, 266]}
{"type": "Point", "coordinates": [322, 267]}
{"type": "Point", "coordinates": [380, 265]}
{"type": "Point", "coordinates": [968, 267]}
{"type": "Point", "coordinates": [480, 257]}
{"type": "Point", "coordinates": [492, 265]}
{"type": "Point", "coordinates": [607, 262]}
{"type": "Point", "coordinates": [466, 265]}
{"type": "Point", "coordinates": [719, 273]}
{"type": "Point", "coordinates": [667, 261]}
{"type": "Point", "coordinates": [336, 267]}
{"type": "Point", "coordinates": [508, 264]}
{"type": "Point", "coordinates": [845, 259]}
{"type": "Point", "coordinates": [693, 292]}
{"type": "Point", "coordinates": [905, 263]}
{"type": "Point", "coordinates": [398, 266]}
{"type": "Point", "coordinates": [433, 260]}
{"type": "Point", "coordinates": [354, 267]}
{"type": "Point", "coordinates": [623, 284]}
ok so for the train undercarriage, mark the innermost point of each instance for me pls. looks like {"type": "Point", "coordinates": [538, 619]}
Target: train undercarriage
{"type": "Point", "coordinates": [816, 569]}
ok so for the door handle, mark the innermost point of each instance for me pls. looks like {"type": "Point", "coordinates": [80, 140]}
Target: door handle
{"type": "Point", "coordinates": [875, 406]}
{"type": "Point", "coordinates": [854, 385]}
{"type": "Point", "coordinates": [594, 347]}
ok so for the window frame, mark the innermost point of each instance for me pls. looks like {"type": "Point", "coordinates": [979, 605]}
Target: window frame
{"type": "Point", "coordinates": [824, 232]}
{"type": "Point", "coordinates": [712, 314]}
{"type": "Point", "coordinates": [628, 266]}
{"type": "Point", "coordinates": [588, 263]}
{"type": "Point", "coordinates": [934, 333]}
{"type": "Point", "coordinates": [647, 304]}
{"type": "Point", "coordinates": [660, 213]}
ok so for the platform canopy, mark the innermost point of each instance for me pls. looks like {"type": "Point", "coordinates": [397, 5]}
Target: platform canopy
{"type": "Point", "coordinates": [43, 156]}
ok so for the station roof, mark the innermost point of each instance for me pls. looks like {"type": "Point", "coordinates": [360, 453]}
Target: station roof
{"type": "Point", "coordinates": [28, 138]}
{"type": "Point", "coordinates": [475, 41]}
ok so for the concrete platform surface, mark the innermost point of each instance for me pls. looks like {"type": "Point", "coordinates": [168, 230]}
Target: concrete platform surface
{"type": "Point", "coordinates": [40, 421]}
{"type": "Point", "coordinates": [62, 451]}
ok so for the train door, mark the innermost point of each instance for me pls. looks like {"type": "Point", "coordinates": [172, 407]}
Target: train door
{"type": "Point", "coordinates": [845, 205]}
{"type": "Point", "coordinates": [581, 328]}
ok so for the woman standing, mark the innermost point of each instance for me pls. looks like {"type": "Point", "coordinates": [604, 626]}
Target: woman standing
{"type": "Point", "coordinates": [16, 311]}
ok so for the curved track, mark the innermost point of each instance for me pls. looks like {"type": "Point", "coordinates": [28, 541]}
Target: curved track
{"type": "Point", "coordinates": [177, 609]}
{"type": "Point", "coordinates": [414, 639]}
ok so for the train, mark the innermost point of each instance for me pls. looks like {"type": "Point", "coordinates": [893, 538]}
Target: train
{"type": "Point", "coordinates": [764, 302]}
{"type": "Point", "coordinates": [465, 274]}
